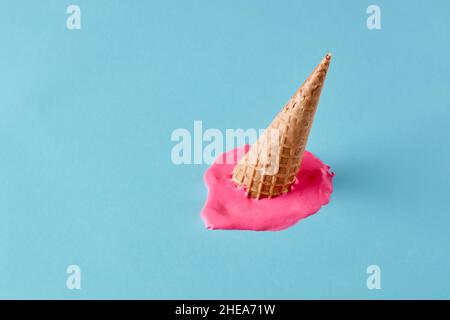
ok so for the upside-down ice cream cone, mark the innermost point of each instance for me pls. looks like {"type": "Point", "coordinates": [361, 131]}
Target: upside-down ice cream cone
{"type": "Point", "coordinates": [271, 165]}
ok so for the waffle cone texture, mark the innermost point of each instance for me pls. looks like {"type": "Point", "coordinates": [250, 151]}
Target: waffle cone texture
{"type": "Point", "coordinates": [271, 165]}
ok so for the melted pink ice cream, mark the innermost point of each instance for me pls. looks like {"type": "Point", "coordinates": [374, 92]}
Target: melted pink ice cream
{"type": "Point", "coordinates": [228, 207]}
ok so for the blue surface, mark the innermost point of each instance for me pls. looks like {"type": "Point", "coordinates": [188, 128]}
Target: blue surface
{"type": "Point", "coordinates": [86, 176]}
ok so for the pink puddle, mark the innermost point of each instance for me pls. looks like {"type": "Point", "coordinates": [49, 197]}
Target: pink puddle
{"type": "Point", "coordinates": [228, 207]}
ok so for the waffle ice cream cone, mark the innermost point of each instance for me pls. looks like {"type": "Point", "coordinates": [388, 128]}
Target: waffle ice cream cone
{"type": "Point", "coordinates": [271, 165]}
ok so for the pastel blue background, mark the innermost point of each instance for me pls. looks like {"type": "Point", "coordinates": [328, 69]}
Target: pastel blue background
{"type": "Point", "coordinates": [86, 176]}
